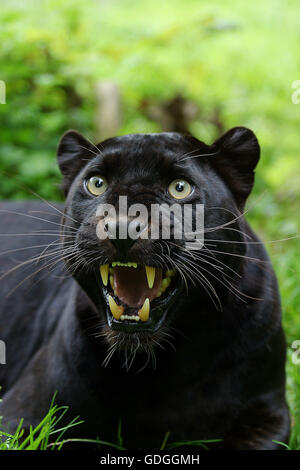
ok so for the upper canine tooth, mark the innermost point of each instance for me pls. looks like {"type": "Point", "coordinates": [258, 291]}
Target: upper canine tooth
{"type": "Point", "coordinates": [145, 310]}
{"type": "Point", "coordinates": [116, 310]}
{"type": "Point", "coordinates": [104, 273]}
{"type": "Point", "coordinates": [150, 272]}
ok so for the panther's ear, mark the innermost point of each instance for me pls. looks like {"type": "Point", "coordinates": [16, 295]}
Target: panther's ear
{"type": "Point", "coordinates": [72, 154]}
{"type": "Point", "coordinates": [237, 156]}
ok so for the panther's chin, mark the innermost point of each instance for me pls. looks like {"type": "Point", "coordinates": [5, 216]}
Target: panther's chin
{"type": "Point", "coordinates": [138, 298]}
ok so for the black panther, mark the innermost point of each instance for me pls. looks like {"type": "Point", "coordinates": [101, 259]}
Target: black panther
{"type": "Point", "coordinates": [161, 336]}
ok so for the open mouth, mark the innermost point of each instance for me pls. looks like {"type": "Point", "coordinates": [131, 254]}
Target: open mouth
{"type": "Point", "coordinates": [137, 296]}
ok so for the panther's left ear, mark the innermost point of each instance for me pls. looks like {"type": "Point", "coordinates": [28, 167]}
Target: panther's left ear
{"type": "Point", "coordinates": [72, 154]}
{"type": "Point", "coordinates": [237, 156]}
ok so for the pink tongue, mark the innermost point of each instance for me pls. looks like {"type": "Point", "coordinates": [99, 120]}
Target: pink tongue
{"type": "Point", "coordinates": [131, 285]}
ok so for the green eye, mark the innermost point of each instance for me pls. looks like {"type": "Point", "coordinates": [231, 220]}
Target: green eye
{"type": "Point", "coordinates": [96, 185]}
{"type": "Point", "coordinates": [179, 189]}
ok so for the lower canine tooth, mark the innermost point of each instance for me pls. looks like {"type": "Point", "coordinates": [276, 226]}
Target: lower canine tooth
{"type": "Point", "coordinates": [116, 310]}
{"type": "Point", "coordinates": [150, 273]}
{"type": "Point", "coordinates": [104, 273]}
{"type": "Point", "coordinates": [145, 310]}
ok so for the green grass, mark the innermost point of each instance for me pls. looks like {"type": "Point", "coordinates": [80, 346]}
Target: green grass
{"type": "Point", "coordinates": [48, 435]}
{"type": "Point", "coordinates": [38, 438]}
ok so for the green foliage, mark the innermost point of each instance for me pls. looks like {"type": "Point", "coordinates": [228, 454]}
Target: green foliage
{"type": "Point", "coordinates": [40, 437]}
{"type": "Point", "coordinates": [48, 435]}
{"type": "Point", "coordinates": [238, 56]}
{"type": "Point", "coordinates": [241, 57]}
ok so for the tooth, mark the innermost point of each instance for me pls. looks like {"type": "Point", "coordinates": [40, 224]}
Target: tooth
{"type": "Point", "coordinates": [165, 283]}
{"type": "Point", "coordinates": [104, 273]}
{"type": "Point", "coordinates": [144, 311]}
{"type": "Point", "coordinates": [170, 273]}
{"type": "Point", "coordinates": [150, 272]}
{"type": "Point", "coordinates": [111, 280]}
{"type": "Point", "coordinates": [119, 263]}
{"type": "Point", "coordinates": [116, 310]}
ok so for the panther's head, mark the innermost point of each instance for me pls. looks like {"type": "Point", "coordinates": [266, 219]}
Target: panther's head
{"type": "Point", "coordinates": [139, 274]}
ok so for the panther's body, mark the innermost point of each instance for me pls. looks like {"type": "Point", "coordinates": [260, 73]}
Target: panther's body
{"type": "Point", "coordinates": [224, 378]}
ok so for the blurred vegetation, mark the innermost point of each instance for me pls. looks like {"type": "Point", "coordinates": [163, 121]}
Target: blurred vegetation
{"type": "Point", "coordinates": [238, 57]}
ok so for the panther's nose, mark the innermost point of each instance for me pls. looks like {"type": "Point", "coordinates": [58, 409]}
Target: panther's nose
{"type": "Point", "coordinates": [123, 234]}
{"type": "Point", "coordinates": [122, 245]}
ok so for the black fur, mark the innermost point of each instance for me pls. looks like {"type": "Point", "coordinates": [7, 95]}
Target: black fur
{"type": "Point", "coordinates": [225, 379]}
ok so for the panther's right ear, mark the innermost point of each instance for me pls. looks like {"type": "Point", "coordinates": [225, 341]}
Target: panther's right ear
{"type": "Point", "coordinates": [237, 156]}
{"type": "Point", "coordinates": [72, 154]}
